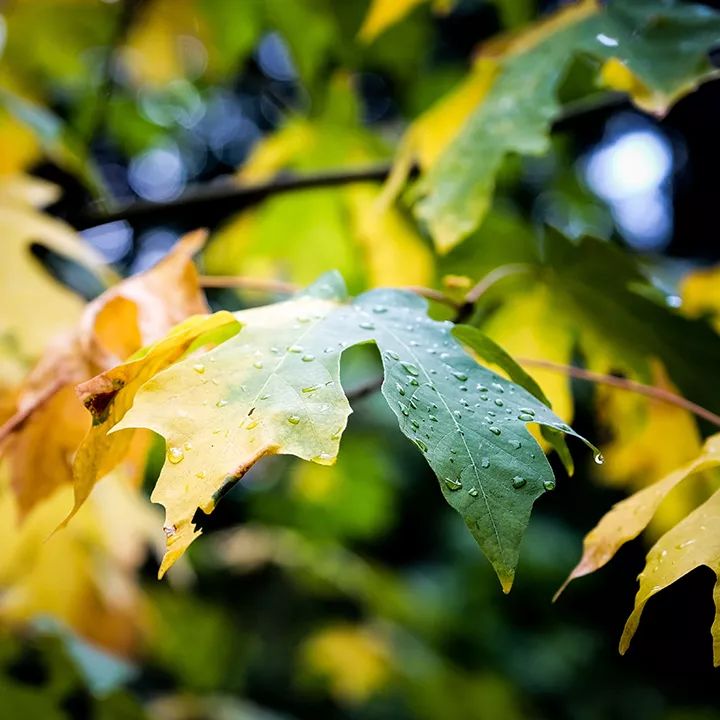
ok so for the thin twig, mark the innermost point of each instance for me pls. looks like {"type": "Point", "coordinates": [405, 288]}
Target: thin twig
{"type": "Point", "coordinates": [465, 310]}
{"type": "Point", "coordinates": [633, 386]}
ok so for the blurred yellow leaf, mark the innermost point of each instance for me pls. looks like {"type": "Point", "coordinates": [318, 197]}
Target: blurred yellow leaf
{"type": "Point", "coordinates": [24, 284]}
{"type": "Point", "coordinates": [84, 577]}
{"type": "Point", "coordinates": [650, 439]}
{"type": "Point", "coordinates": [700, 292]}
{"type": "Point", "coordinates": [354, 660]}
{"type": "Point", "coordinates": [341, 229]}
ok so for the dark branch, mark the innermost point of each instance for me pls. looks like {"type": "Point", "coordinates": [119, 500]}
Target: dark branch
{"type": "Point", "coordinates": [228, 197]}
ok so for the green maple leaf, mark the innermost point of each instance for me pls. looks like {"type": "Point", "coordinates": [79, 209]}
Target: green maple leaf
{"type": "Point", "coordinates": [274, 388]}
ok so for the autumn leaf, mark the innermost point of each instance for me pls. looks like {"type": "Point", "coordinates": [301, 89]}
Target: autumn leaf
{"type": "Point", "coordinates": [48, 422]}
{"type": "Point", "coordinates": [689, 544]}
{"type": "Point", "coordinates": [274, 388]}
{"type": "Point", "coordinates": [655, 53]}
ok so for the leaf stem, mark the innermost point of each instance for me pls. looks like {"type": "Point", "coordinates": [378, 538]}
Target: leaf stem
{"type": "Point", "coordinates": [633, 386]}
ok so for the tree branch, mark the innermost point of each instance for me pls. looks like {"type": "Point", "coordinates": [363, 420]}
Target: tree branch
{"type": "Point", "coordinates": [633, 386]}
{"type": "Point", "coordinates": [228, 196]}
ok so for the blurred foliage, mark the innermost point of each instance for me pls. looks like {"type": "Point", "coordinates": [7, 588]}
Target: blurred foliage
{"type": "Point", "coordinates": [543, 154]}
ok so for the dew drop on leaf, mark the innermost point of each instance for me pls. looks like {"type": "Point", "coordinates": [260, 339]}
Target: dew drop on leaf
{"type": "Point", "coordinates": [494, 430]}
{"type": "Point", "coordinates": [549, 484]}
{"type": "Point", "coordinates": [199, 368]}
{"type": "Point", "coordinates": [518, 481]}
{"type": "Point", "coordinates": [452, 484]}
{"type": "Point", "coordinates": [294, 419]}
{"type": "Point", "coordinates": [175, 454]}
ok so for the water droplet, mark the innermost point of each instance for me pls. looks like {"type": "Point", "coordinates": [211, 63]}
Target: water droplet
{"type": "Point", "coordinates": [308, 358]}
{"type": "Point", "coordinates": [169, 530]}
{"type": "Point", "coordinates": [294, 419]}
{"type": "Point", "coordinates": [175, 455]}
{"type": "Point", "coordinates": [421, 445]}
{"type": "Point", "coordinates": [457, 414]}
{"type": "Point", "coordinates": [685, 544]}
{"type": "Point", "coordinates": [452, 485]}
{"type": "Point", "coordinates": [365, 325]}
{"type": "Point", "coordinates": [295, 348]}
{"type": "Point", "coordinates": [549, 484]}
{"type": "Point", "coordinates": [499, 402]}
{"type": "Point", "coordinates": [481, 388]}
{"type": "Point", "coordinates": [529, 411]}
{"type": "Point", "coordinates": [498, 387]}
{"type": "Point", "coordinates": [221, 403]}
{"type": "Point", "coordinates": [379, 309]}
{"type": "Point", "coordinates": [494, 430]}
{"type": "Point", "coordinates": [392, 355]}
{"type": "Point", "coordinates": [200, 474]}
{"type": "Point", "coordinates": [433, 418]}
{"type": "Point", "coordinates": [199, 368]}
{"type": "Point", "coordinates": [400, 388]}
{"type": "Point", "coordinates": [473, 492]}
{"type": "Point", "coordinates": [258, 364]}
{"type": "Point", "coordinates": [484, 398]}
{"type": "Point", "coordinates": [404, 410]}
{"type": "Point", "coordinates": [461, 376]}
{"type": "Point", "coordinates": [187, 446]}
{"type": "Point", "coordinates": [409, 368]}
{"type": "Point", "coordinates": [413, 404]}
{"type": "Point", "coordinates": [485, 463]}
{"type": "Point", "coordinates": [598, 458]}
{"type": "Point", "coordinates": [518, 481]}
{"type": "Point", "coordinates": [516, 444]}
{"type": "Point", "coordinates": [606, 40]}
{"type": "Point", "coordinates": [329, 350]}
{"type": "Point", "coordinates": [311, 389]}
{"type": "Point", "coordinates": [274, 350]}
{"type": "Point", "coordinates": [525, 417]}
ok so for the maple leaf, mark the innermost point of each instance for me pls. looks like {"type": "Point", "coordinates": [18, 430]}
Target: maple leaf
{"type": "Point", "coordinates": [273, 388]}
{"type": "Point", "coordinates": [692, 542]}
{"type": "Point", "coordinates": [49, 423]}
{"type": "Point", "coordinates": [655, 52]}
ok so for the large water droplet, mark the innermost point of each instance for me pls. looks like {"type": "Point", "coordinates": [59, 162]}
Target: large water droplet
{"type": "Point", "coordinates": [421, 445]}
{"type": "Point", "coordinates": [525, 417]}
{"type": "Point", "coordinates": [410, 368]}
{"type": "Point", "coordinates": [295, 348]}
{"type": "Point", "coordinates": [529, 411]}
{"type": "Point", "coordinates": [598, 458]}
{"type": "Point", "coordinates": [518, 481]}
{"type": "Point", "coordinates": [485, 463]}
{"type": "Point", "coordinates": [199, 368]}
{"type": "Point", "coordinates": [258, 364]}
{"type": "Point", "coordinates": [308, 357]}
{"type": "Point", "coordinates": [221, 403]}
{"type": "Point", "coordinates": [175, 454]}
{"type": "Point", "coordinates": [473, 492]}
{"type": "Point", "coordinates": [549, 484]}
{"type": "Point", "coordinates": [460, 376]}
{"type": "Point", "coordinates": [494, 430]}
{"type": "Point", "coordinates": [499, 402]}
{"type": "Point", "coordinates": [400, 388]}
{"type": "Point", "coordinates": [365, 325]}
{"type": "Point", "coordinates": [683, 545]}
{"type": "Point", "coordinates": [379, 309]}
{"type": "Point", "coordinates": [294, 419]}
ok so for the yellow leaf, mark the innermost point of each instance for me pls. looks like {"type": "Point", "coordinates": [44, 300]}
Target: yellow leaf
{"type": "Point", "coordinates": [84, 577]}
{"type": "Point", "coordinates": [34, 305]}
{"type": "Point", "coordinates": [355, 661]}
{"type": "Point", "coordinates": [48, 421]}
{"type": "Point", "coordinates": [650, 439]}
{"type": "Point", "coordinates": [630, 517]}
{"type": "Point", "coordinates": [529, 324]}
{"type": "Point", "coordinates": [384, 13]}
{"type": "Point", "coordinates": [693, 542]}
{"type": "Point", "coordinates": [700, 292]}
{"type": "Point", "coordinates": [109, 395]}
